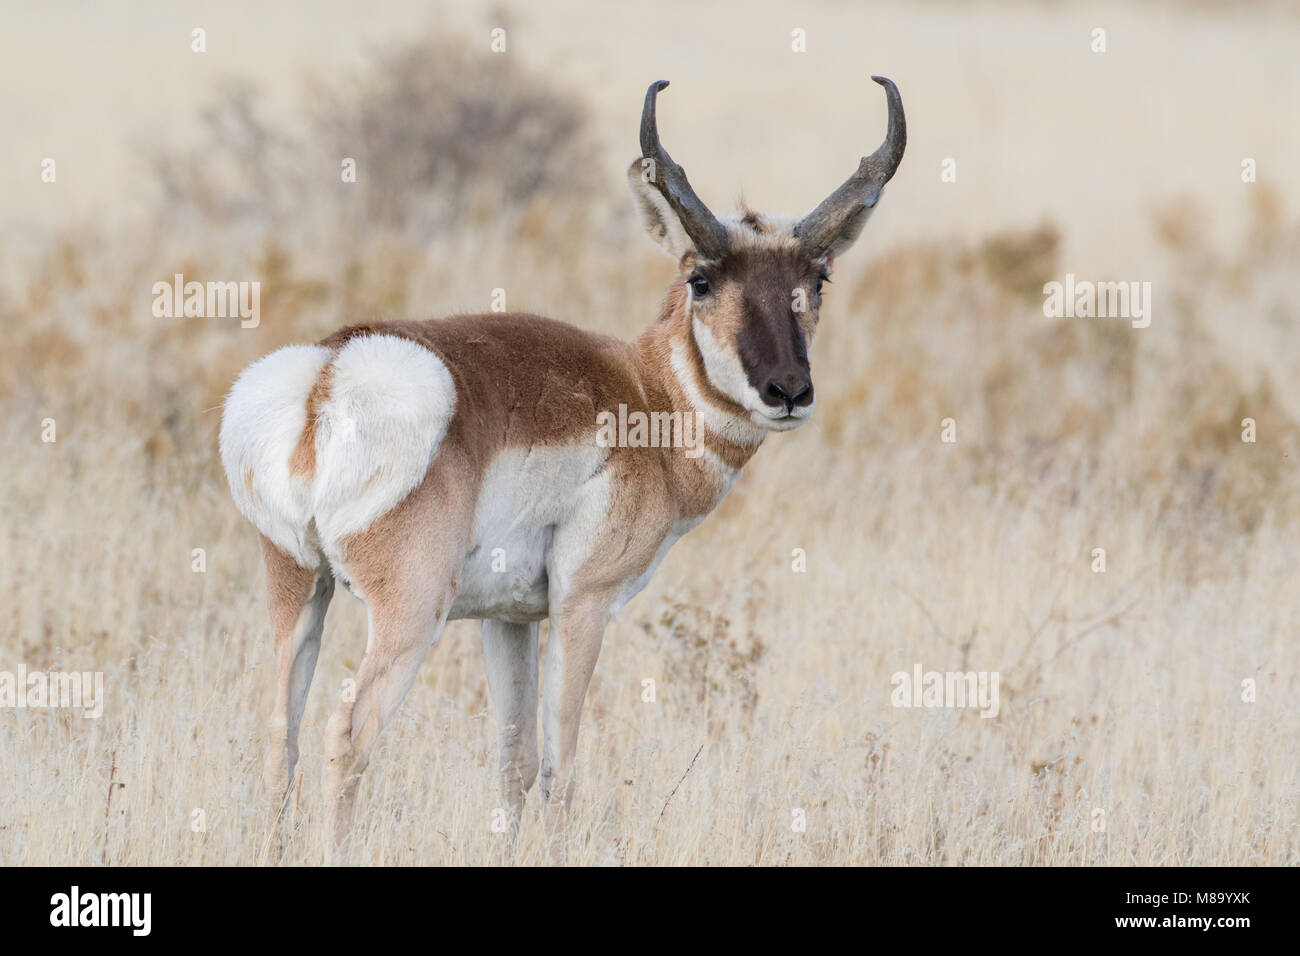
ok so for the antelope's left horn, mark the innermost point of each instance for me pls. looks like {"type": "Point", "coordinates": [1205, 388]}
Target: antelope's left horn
{"type": "Point", "coordinates": [818, 230]}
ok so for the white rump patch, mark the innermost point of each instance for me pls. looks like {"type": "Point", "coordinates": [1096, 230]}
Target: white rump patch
{"type": "Point", "coordinates": [389, 406]}
{"type": "Point", "coordinates": [260, 425]}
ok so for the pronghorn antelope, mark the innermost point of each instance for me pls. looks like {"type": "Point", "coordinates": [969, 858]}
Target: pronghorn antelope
{"type": "Point", "coordinates": [449, 468]}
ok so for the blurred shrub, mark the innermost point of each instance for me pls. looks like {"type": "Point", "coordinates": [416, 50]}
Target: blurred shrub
{"type": "Point", "coordinates": [1021, 261]}
{"type": "Point", "coordinates": [705, 661]}
{"type": "Point", "coordinates": [434, 131]}
{"type": "Point", "coordinates": [438, 132]}
{"type": "Point", "coordinates": [236, 170]}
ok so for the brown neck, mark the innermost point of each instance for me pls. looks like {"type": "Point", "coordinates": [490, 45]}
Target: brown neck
{"type": "Point", "coordinates": [673, 378]}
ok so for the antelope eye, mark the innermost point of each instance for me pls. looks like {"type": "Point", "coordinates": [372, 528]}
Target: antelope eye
{"type": "Point", "coordinates": [699, 285]}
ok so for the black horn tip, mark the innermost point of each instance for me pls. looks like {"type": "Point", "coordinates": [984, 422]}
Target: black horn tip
{"type": "Point", "coordinates": [886, 82]}
{"type": "Point", "coordinates": [649, 127]}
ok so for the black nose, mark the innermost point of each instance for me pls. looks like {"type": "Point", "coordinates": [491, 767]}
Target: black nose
{"type": "Point", "coordinates": [790, 390]}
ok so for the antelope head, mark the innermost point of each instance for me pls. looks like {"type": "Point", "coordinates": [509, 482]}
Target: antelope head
{"type": "Point", "coordinates": [751, 285]}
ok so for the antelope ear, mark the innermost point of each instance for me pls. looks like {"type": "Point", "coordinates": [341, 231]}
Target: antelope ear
{"type": "Point", "coordinates": [851, 229]}
{"type": "Point", "coordinates": [656, 215]}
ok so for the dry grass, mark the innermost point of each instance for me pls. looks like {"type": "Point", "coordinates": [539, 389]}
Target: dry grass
{"type": "Point", "coordinates": [1120, 691]}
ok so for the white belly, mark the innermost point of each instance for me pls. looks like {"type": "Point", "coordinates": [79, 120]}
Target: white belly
{"type": "Point", "coordinates": [526, 494]}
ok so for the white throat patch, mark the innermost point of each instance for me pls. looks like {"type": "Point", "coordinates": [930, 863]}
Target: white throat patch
{"type": "Point", "coordinates": [722, 422]}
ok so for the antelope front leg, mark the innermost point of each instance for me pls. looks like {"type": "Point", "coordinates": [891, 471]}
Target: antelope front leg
{"type": "Point", "coordinates": [571, 652]}
{"type": "Point", "coordinates": [510, 651]}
